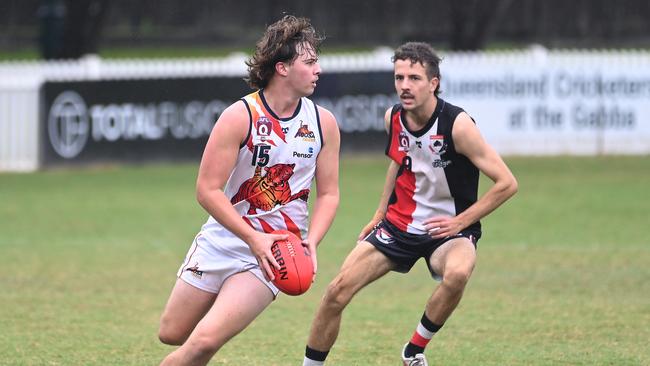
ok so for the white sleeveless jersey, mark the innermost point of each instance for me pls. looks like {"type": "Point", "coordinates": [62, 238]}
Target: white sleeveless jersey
{"type": "Point", "coordinates": [270, 183]}
{"type": "Point", "coordinates": [433, 178]}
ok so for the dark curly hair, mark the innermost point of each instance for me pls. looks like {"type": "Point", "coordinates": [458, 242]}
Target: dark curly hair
{"type": "Point", "coordinates": [422, 53]}
{"type": "Point", "coordinates": [279, 44]}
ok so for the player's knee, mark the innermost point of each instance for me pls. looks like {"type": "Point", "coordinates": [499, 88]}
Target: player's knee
{"type": "Point", "coordinates": [337, 295]}
{"type": "Point", "coordinates": [456, 278]}
{"type": "Point", "coordinates": [169, 338]}
{"type": "Point", "coordinates": [203, 346]}
{"type": "Point", "coordinates": [169, 334]}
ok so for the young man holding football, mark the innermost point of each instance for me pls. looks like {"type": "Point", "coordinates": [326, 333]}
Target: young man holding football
{"type": "Point", "coordinates": [255, 177]}
{"type": "Point", "coordinates": [429, 207]}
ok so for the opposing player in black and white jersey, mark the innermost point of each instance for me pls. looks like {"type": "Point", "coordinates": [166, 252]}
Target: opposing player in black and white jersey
{"type": "Point", "coordinates": [429, 208]}
{"type": "Point", "coordinates": [262, 156]}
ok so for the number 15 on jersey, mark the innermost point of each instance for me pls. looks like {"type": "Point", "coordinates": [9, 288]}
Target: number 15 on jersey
{"type": "Point", "coordinates": [260, 155]}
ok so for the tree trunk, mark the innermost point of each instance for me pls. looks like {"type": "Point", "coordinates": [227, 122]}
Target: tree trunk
{"type": "Point", "coordinates": [77, 27]}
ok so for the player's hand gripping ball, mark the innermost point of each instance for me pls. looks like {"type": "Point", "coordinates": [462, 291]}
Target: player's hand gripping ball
{"type": "Point", "coordinates": [296, 269]}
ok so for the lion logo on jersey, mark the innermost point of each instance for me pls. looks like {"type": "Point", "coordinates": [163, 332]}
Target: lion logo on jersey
{"type": "Point", "coordinates": [305, 133]}
{"type": "Point", "coordinates": [272, 189]}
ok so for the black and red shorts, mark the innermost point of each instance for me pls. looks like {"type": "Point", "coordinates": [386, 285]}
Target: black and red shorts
{"type": "Point", "coordinates": [404, 249]}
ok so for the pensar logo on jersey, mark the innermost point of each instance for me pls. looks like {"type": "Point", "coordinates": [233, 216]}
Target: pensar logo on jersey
{"type": "Point", "coordinates": [307, 155]}
{"type": "Point", "coordinates": [403, 142]}
{"type": "Point", "coordinates": [305, 133]}
{"type": "Point", "coordinates": [266, 192]}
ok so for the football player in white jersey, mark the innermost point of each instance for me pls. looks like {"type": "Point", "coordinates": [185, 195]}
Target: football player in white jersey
{"type": "Point", "coordinates": [257, 167]}
{"type": "Point", "coordinates": [429, 207]}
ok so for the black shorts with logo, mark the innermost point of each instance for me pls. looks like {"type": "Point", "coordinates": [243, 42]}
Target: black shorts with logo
{"type": "Point", "coordinates": [404, 249]}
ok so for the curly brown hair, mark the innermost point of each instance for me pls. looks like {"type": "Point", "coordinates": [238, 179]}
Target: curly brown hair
{"type": "Point", "coordinates": [280, 43]}
{"type": "Point", "coordinates": [424, 54]}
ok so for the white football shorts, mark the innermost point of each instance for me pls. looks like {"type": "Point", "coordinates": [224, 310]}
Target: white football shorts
{"type": "Point", "coordinates": [215, 256]}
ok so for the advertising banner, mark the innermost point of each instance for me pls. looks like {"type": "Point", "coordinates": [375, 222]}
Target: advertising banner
{"type": "Point", "coordinates": [171, 119]}
{"type": "Point", "coordinates": [553, 107]}
{"type": "Point", "coordinates": [585, 106]}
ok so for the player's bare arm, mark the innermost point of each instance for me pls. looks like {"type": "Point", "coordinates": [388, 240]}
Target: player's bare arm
{"type": "Point", "coordinates": [327, 183]}
{"type": "Point", "coordinates": [469, 142]}
{"type": "Point", "coordinates": [389, 185]}
{"type": "Point", "coordinates": [219, 158]}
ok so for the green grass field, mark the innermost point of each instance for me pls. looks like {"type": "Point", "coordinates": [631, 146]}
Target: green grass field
{"type": "Point", "coordinates": [88, 257]}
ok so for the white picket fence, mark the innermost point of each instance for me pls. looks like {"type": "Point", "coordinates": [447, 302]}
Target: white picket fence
{"type": "Point", "coordinates": [497, 114]}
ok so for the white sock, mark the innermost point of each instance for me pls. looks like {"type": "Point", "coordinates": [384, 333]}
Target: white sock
{"type": "Point", "coordinates": [310, 362]}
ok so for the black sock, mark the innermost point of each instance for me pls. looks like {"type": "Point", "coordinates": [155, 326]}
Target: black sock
{"type": "Point", "coordinates": [412, 350]}
{"type": "Point", "coordinates": [315, 355]}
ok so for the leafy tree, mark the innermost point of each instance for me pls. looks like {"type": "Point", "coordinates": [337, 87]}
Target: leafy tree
{"type": "Point", "coordinates": [473, 22]}
{"type": "Point", "coordinates": [71, 28]}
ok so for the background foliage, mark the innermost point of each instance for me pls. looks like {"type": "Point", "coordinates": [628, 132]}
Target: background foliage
{"type": "Point", "coordinates": [71, 28]}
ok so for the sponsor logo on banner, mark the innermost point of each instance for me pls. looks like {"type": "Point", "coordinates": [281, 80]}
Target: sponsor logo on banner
{"type": "Point", "coordinates": [67, 124]}
{"type": "Point", "coordinates": [72, 125]}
